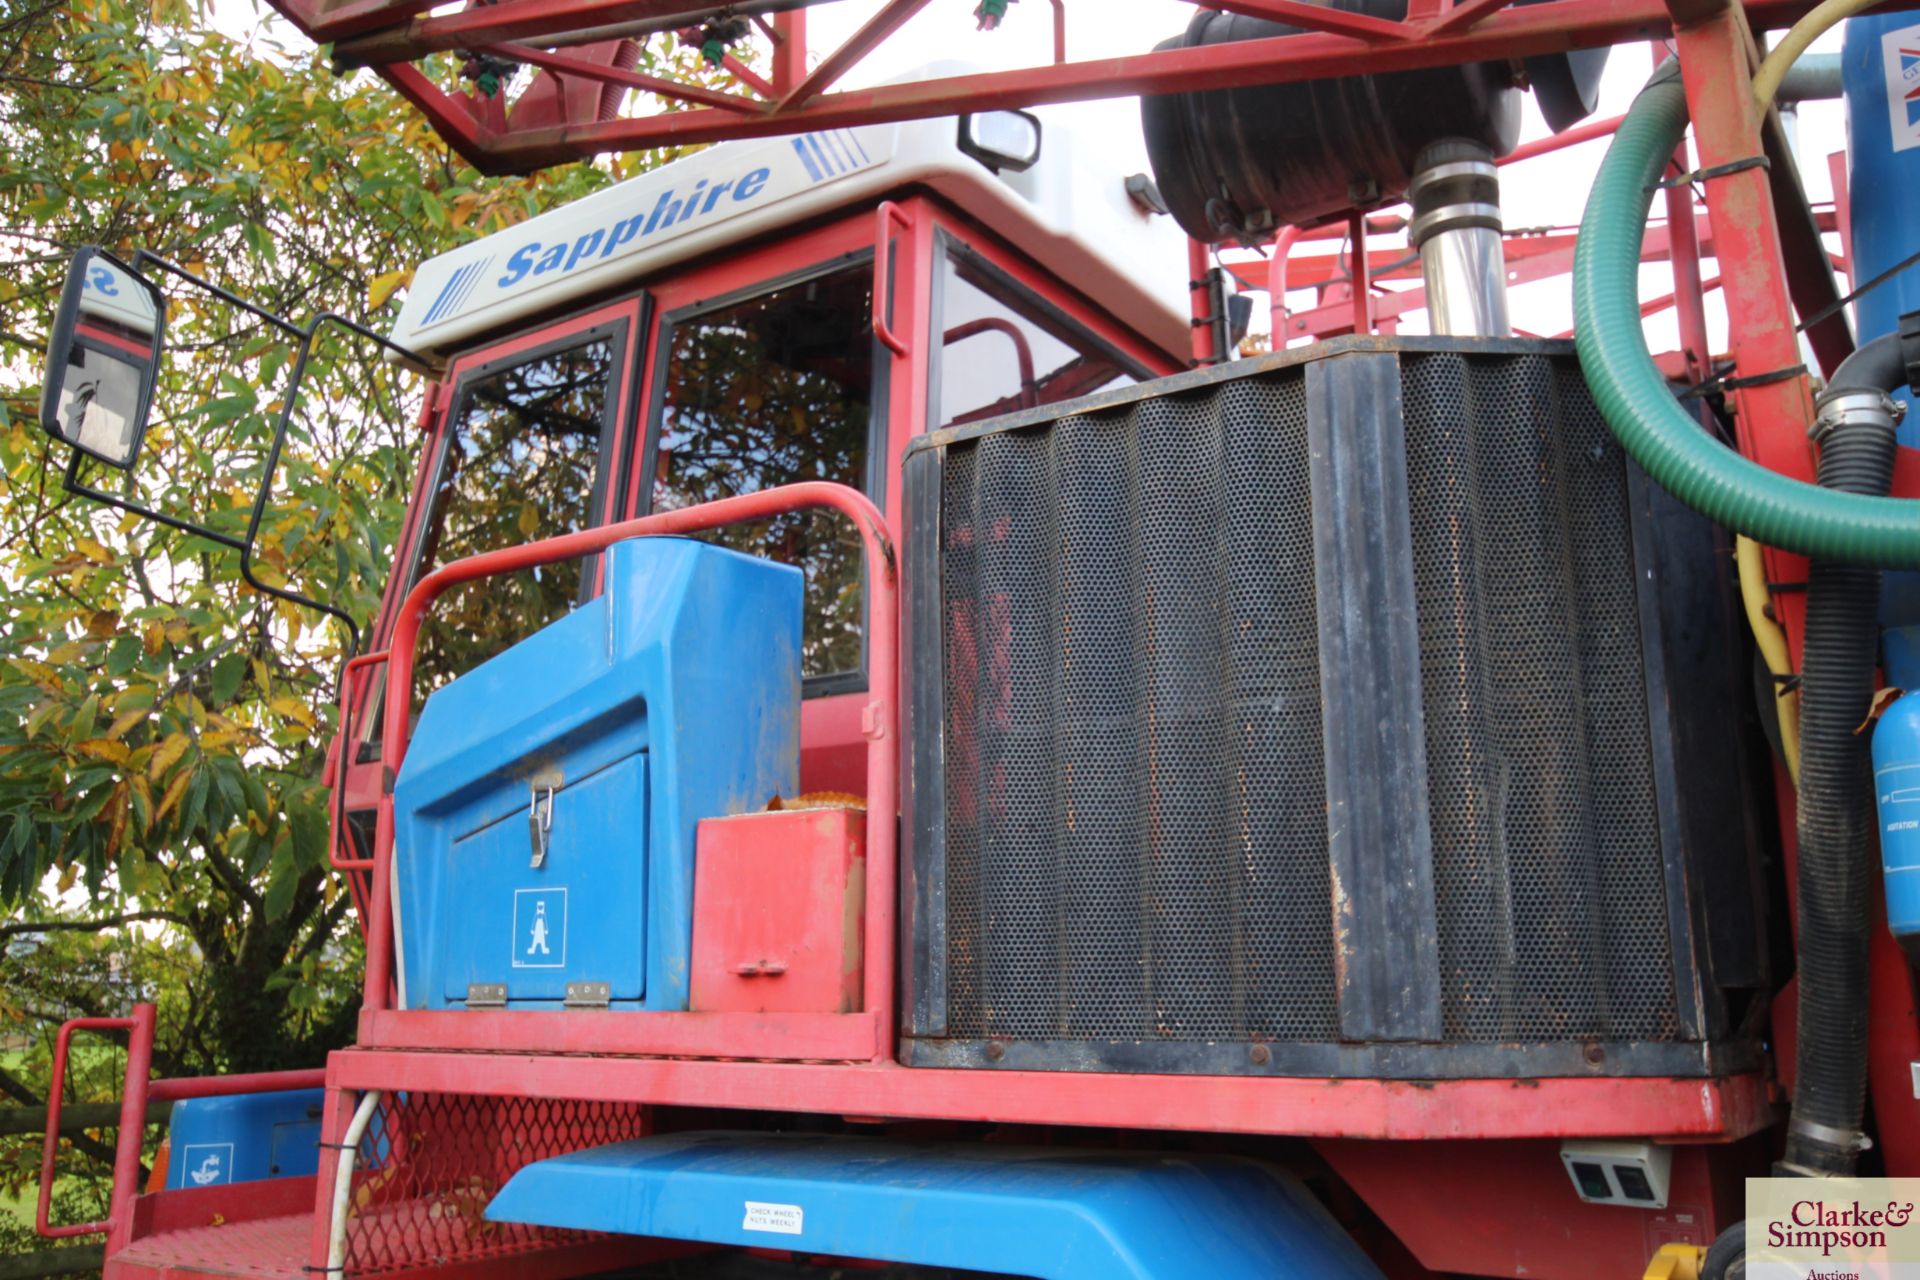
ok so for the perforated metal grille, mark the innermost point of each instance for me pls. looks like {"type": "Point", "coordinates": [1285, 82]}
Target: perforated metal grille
{"type": "Point", "coordinates": [1136, 828]}
{"type": "Point", "coordinates": [432, 1162]}
{"type": "Point", "coordinates": [1547, 858]}
{"type": "Point", "coordinates": [1135, 839]}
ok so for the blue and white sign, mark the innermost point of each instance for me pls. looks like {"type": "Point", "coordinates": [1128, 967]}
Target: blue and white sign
{"type": "Point", "coordinates": [207, 1164]}
{"type": "Point", "coordinates": [540, 928]}
{"type": "Point", "coordinates": [592, 242]}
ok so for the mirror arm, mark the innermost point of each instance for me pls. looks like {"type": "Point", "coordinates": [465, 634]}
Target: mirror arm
{"type": "Point", "coordinates": [287, 401]}
{"type": "Point", "coordinates": [244, 546]}
{"type": "Point", "coordinates": [141, 257]}
{"type": "Point", "coordinates": [71, 484]}
{"type": "Point", "coordinates": [285, 420]}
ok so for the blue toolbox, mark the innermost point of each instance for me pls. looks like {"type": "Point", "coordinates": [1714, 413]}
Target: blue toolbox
{"type": "Point", "coordinates": [243, 1137]}
{"type": "Point", "coordinates": [544, 817]}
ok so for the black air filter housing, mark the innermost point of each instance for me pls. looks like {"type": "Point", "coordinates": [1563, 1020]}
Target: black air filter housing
{"type": "Point", "coordinates": [1353, 711]}
{"type": "Point", "coordinates": [1236, 163]}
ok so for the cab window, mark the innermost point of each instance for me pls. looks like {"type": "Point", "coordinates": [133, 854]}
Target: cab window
{"type": "Point", "coordinates": [520, 458]}
{"type": "Point", "coordinates": [774, 390]}
{"type": "Point", "coordinates": [1002, 349]}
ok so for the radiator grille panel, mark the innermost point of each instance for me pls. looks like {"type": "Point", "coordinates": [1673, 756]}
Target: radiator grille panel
{"type": "Point", "coordinates": [1135, 809]}
{"type": "Point", "coordinates": [1135, 824]}
{"type": "Point", "coordinates": [1547, 866]}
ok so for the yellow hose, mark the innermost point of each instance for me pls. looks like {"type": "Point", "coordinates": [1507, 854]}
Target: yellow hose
{"type": "Point", "coordinates": [1754, 593]}
{"type": "Point", "coordinates": [1772, 640]}
{"type": "Point", "coordinates": [1818, 21]}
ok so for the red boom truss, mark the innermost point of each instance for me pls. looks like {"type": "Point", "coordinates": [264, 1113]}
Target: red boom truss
{"type": "Point", "coordinates": [576, 41]}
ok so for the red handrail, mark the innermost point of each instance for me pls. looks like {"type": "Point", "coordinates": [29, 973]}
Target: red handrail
{"type": "Point", "coordinates": [137, 1090]}
{"type": "Point", "coordinates": [1283, 242]}
{"type": "Point", "coordinates": [133, 1121]}
{"type": "Point", "coordinates": [1022, 350]}
{"type": "Point", "coordinates": [175, 1088]}
{"type": "Point", "coordinates": [878, 719]}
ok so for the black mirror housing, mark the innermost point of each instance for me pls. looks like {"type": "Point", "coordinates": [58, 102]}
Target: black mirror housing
{"type": "Point", "coordinates": [103, 359]}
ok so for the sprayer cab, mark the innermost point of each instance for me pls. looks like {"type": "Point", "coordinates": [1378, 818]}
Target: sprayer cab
{"type": "Point", "coordinates": [880, 659]}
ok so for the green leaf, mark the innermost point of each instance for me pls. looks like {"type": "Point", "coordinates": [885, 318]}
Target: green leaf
{"type": "Point", "coordinates": [228, 672]}
{"type": "Point", "coordinates": [309, 826]}
{"type": "Point", "coordinates": [122, 654]}
{"type": "Point", "coordinates": [81, 726]}
{"type": "Point", "coordinates": [226, 773]}
{"type": "Point", "coordinates": [194, 810]}
{"type": "Point", "coordinates": [283, 879]}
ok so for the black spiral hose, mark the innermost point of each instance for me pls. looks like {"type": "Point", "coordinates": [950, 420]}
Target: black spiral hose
{"type": "Point", "coordinates": [1836, 821]}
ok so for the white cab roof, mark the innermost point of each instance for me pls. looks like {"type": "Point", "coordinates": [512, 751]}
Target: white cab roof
{"type": "Point", "coordinates": [1070, 215]}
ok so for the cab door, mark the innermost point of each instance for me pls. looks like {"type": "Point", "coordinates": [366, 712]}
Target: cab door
{"type": "Point", "coordinates": [527, 438]}
{"type": "Point", "coordinates": [765, 371]}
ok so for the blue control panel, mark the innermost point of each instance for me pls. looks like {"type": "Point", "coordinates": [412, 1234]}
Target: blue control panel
{"type": "Point", "coordinates": [544, 817]}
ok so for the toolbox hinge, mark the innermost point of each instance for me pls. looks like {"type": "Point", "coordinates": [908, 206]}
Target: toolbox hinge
{"type": "Point", "coordinates": [589, 995]}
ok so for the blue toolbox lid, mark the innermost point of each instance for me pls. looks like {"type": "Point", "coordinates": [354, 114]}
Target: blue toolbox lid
{"type": "Point", "coordinates": [545, 814]}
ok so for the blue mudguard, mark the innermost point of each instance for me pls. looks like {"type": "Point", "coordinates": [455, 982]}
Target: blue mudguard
{"type": "Point", "coordinates": [1049, 1213]}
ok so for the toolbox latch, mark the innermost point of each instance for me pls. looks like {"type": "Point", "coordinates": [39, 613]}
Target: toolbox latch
{"type": "Point", "coordinates": [540, 815]}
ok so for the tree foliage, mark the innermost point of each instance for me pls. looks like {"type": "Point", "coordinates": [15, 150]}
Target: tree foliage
{"type": "Point", "coordinates": [162, 725]}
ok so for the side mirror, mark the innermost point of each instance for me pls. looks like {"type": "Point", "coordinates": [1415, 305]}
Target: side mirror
{"type": "Point", "coordinates": [103, 358]}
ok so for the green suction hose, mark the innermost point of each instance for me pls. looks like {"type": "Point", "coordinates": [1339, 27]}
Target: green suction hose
{"type": "Point", "coordinates": [1637, 403]}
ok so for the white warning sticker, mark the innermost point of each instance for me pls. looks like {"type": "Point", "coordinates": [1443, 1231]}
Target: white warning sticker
{"type": "Point", "coordinates": [781, 1219]}
{"type": "Point", "coordinates": [1901, 51]}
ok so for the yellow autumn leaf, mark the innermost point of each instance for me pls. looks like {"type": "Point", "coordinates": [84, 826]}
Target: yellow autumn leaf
{"type": "Point", "coordinates": [125, 721]}
{"type": "Point", "coordinates": [381, 287]}
{"type": "Point", "coordinates": [103, 749]}
{"type": "Point", "coordinates": [292, 709]}
{"type": "Point", "coordinates": [529, 519]}
{"type": "Point", "coordinates": [169, 751]}
{"type": "Point", "coordinates": [117, 809]}
{"type": "Point", "coordinates": [171, 797]}
{"type": "Point", "coordinates": [92, 550]}
{"type": "Point", "coordinates": [139, 781]}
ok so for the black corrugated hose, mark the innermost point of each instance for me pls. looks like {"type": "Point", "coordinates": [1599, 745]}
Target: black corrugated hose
{"type": "Point", "coordinates": [1836, 814]}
